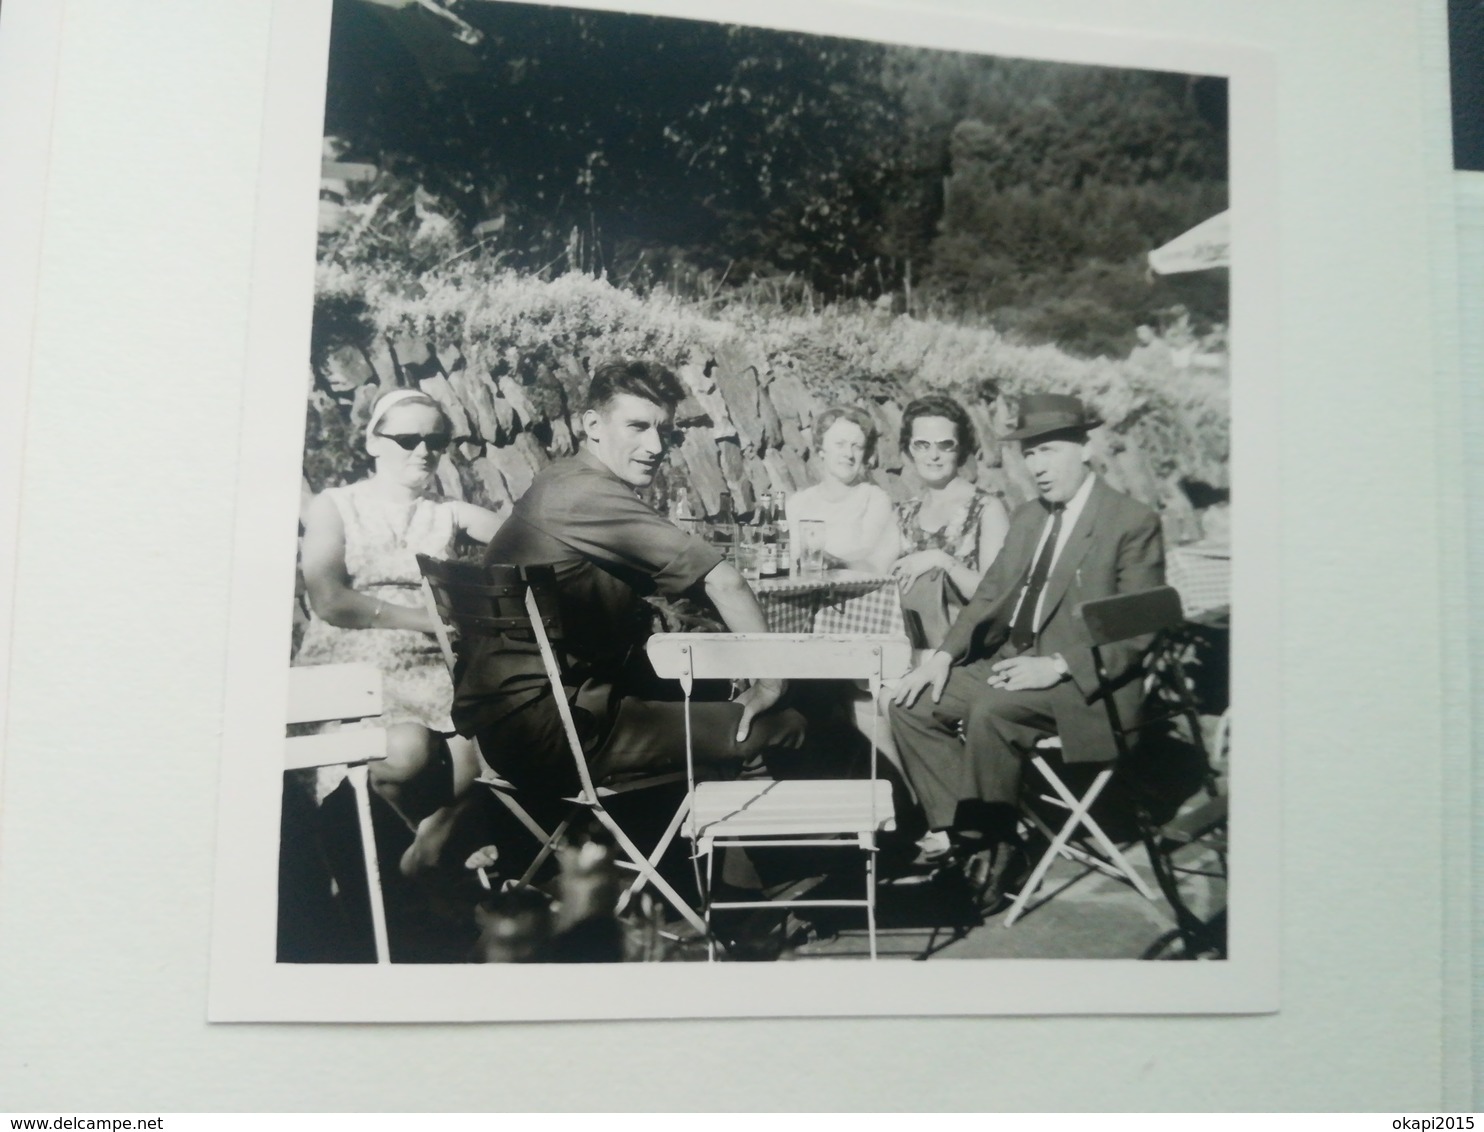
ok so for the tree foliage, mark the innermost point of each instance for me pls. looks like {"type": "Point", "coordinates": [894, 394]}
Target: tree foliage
{"type": "Point", "coordinates": [660, 150]}
{"type": "Point", "coordinates": [726, 143]}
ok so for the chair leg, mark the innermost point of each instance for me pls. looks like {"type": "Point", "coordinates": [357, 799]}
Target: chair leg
{"type": "Point", "coordinates": [546, 850]}
{"type": "Point", "coordinates": [1077, 814]}
{"type": "Point", "coordinates": [358, 776]}
{"type": "Point", "coordinates": [658, 854]}
{"type": "Point", "coordinates": [1038, 874]}
{"type": "Point", "coordinates": [1058, 842]}
{"type": "Point", "coordinates": [871, 896]}
{"type": "Point", "coordinates": [1196, 935]}
{"type": "Point", "coordinates": [648, 871]}
{"type": "Point", "coordinates": [706, 905]}
{"type": "Point", "coordinates": [521, 814]}
{"type": "Point", "coordinates": [1080, 814]}
{"type": "Point", "coordinates": [1071, 852]}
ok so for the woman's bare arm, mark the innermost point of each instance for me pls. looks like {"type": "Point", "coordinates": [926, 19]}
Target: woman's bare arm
{"type": "Point", "coordinates": [882, 542]}
{"type": "Point", "coordinates": [328, 583]}
{"type": "Point", "coordinates": [479, 523]}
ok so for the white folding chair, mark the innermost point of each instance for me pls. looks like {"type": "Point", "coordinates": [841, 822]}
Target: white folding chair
{"type": "Point", "coordinates": [343, 693]}
{"type": "Point", "coordinates": [1123, 617]}
{"type": "Point", "coordinates": [763, 814]}
{"type": "Point", "coordinates": [488, 601]}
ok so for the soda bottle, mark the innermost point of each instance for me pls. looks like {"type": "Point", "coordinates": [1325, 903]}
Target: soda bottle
{"type": "Point", "coordinates": [785, 536]}
{"type": "Point", "coordinates": [767, 538]}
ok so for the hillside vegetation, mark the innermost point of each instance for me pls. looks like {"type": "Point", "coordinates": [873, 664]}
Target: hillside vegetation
{"type": "Point", "coordinates": [508, 355]}
{"type": "Point", "coordinates": [786, 220]}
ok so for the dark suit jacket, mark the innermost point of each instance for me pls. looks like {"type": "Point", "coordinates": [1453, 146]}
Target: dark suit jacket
{"type": "Point", "coordinates": [1114, 548]}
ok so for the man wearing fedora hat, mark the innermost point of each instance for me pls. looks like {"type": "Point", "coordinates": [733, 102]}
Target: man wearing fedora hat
{"type": "Point", "coordinates": [1016, 666]}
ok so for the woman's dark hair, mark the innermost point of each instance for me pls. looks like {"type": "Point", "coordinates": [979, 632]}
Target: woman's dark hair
{"type": "Point", "coordinates": [937, 405]}
{"type": "Point", "coordinates": [648, 380]}
{"type": "Point", "coordinates": [856, 416]}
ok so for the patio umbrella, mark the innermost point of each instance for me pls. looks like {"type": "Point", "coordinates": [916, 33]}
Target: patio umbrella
{"type": "Point", "coordinates": [1206, 245]}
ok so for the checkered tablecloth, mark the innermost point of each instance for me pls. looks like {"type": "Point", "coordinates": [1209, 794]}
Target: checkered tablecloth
{"type": "Point", "coordinates": [840, 601]}
{"type": "Point", "coordinates": [1203, 575]}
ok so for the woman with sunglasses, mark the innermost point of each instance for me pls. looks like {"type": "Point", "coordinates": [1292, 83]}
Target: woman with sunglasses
{"type": "Point", "coordinates": [951, 529]}
{"type": "Point", "coordinates": [360, 572]}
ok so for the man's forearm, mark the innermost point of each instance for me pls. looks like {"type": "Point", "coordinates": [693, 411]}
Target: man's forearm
{"type": "Point", "coordinates": [735, 601]}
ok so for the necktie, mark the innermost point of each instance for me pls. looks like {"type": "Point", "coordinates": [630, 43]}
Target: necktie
{"type": "Point", "coordinates": [1023, 628]}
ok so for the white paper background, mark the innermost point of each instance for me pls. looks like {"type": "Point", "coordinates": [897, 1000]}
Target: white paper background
{"type": "Point", "coordinates": [111, 770]}
{"type": "Point", "coordinates": [1465, 946]}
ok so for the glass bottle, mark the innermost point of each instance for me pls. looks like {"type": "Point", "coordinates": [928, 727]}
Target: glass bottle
{"type": "Point", "coordinates": [682, 514]}
{"type": "Point", "coordinates": [785, 535]}
{"type": "Point", "coordinates": [767, 538]}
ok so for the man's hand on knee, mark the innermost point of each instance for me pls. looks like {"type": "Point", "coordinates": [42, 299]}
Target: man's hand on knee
{"type": "Point", "coordinates": [932, 673]}
{"type": "Point", "coordinates": [758, 698]}
{"type": "Point", "coordinates": [1027, 673]}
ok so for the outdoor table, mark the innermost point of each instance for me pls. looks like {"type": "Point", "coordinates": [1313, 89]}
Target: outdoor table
{"type": "Point", "coordinates": [835, 602]}
{"type": "Point", "coordinates": [1202, 573]}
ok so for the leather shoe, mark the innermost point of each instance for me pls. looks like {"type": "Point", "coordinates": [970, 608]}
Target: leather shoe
{"type": "Point", "coordinates": [933, 850]}
{"type": "Point", "coordinates": [994, 873]}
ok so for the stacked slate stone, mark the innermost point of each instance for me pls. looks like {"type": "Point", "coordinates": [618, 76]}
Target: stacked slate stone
{"type": "Point", "coordinates": [747, 426]}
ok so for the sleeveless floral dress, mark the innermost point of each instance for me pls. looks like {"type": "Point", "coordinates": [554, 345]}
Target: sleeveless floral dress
{"type": "Point", "coordinates": [382, 539]}
{"type": "Point", "coordinates": [932, 600]}
{"type": "Point", "coordinates": [959, 539]}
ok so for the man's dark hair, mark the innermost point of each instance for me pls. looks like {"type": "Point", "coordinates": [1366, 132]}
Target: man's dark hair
{"type": "Point", "coordinates": [937, 405]}
{"type": "Point", "coordinates": [648, 380]}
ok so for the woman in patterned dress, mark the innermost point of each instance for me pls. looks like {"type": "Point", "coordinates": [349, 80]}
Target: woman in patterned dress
{"type": "Point", "coordinates": [361, 576]}
{"type": "Point", "coordinates": [951, 525]}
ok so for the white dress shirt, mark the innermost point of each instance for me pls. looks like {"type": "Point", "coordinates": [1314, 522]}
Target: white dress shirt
{"type": "Point", "coordinates": [1070, 514]}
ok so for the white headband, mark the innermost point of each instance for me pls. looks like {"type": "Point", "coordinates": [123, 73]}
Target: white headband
{"type": "Point", "coordinates": [386, 403]}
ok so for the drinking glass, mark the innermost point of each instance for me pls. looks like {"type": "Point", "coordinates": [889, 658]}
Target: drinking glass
{"type": "Point", "coordinates": [749, 553]}
{"type": "Point", "coordinates": [811, 547]}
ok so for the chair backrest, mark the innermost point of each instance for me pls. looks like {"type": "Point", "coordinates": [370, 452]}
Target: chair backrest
{"type": "Point", "coordinates": [324, 693]}
{"type": "Point", "coordinates": [1112, 619]}
{"type": "Point", "coordinates": [501, 601]}
{"type": "Point", "coordinates": [472, 601]}
{"type": "Point", "coordinates": [1154, 612]}
{"type": "Point", "coordinates": [688, 657]}
{"type": "Point", "coordinates": [780, 656]}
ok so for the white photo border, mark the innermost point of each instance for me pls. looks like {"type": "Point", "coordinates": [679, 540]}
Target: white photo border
{"type": "Point", "coordinates": [247, 984]}
{"type": "Point", "coordinates": [30, 43]}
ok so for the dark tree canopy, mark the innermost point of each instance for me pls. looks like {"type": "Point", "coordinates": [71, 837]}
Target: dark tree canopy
{"type": "Point", "coordinates": [651, 145]}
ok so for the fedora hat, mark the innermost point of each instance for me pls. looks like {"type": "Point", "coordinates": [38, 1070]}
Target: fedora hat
{"type": "Point", "coordinates": [1044, 413]}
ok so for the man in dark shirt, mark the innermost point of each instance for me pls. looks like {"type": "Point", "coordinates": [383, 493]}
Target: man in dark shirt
{"type": "Point", "coordinates": [609, 548]}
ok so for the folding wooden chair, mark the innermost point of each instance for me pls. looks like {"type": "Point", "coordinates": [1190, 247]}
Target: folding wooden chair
{"type": "Point", "coordinates": [1198, 829]}
{"type": "Point", "coordinates": [454, 596]}
{"type": "Point", "coordinates": [1107, 620]}
{"type": "Point", "coordinates": [1154, 612]}
{"type": "Point", "coordinates": [763, 814]}
{"type": "Point", "coordinates": [345, 693]}
{"type": "Point", "coordinates": [491, 601]}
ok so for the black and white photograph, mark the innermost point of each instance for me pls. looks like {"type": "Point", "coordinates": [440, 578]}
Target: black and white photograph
{"type": "Point", "coordinates": [739, 555]}
{"type": "Point", "coordinates": [765, 497]}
